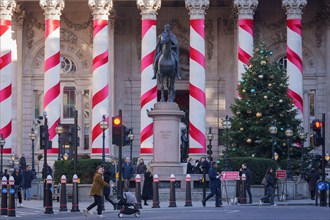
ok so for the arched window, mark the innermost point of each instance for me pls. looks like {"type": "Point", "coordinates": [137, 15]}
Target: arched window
{"type": "Point", "coordinates": [283, 62]}
{"type": "Point", "coordinates": [67, 65]}
{"type": "Point", "coordinates": [69, 101]}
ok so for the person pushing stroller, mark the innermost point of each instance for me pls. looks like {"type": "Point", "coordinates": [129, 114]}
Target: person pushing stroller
{"type": "Point", "coordinates": [127, 204]}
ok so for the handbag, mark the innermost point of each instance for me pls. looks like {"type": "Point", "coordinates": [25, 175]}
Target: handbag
{"type": "Point", "coordinates": [264, 181]}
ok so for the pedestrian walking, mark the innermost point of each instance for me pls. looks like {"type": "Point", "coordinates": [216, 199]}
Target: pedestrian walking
{"type": "Point", "coordinates": [141, 167]}
{"type": "Point", "coordinates": [106, 190]}
{"type": "Point", "coordinates": [215, 185]}
{"type": "Point", "coordinates": [270, 187]}
{"type": "Point", "coordinates": [18, 177]}
{"type": "Point", "coordinates": [244, 170]}
{"type": "Point", "coordinates": [147, 186]}
{"type": "Point", "coordinates": [97, 192]}
{"type": "Point", "coordinates": [28, 177]}
{"type": "Point", "coordinates": [22, 162]}
{"type": "Point", "coordinates": [190, 167]}
{"type": "Point", "coordinates": [312, 177]}
{"type": "Point", "coordinates": [127, 171]}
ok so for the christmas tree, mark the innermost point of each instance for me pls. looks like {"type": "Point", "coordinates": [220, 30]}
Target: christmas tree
{"type": "Point", "coordinates": [263, 102]}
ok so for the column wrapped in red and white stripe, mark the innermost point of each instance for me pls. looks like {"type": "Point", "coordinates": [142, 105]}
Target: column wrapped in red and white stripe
{"type": "Point", "coordinates": [245, 10]}
{"type": "Point", "coordinates": [197, 99]}
{"type": "Point", "coordinates": [6, 72]}
{"type": "Point", "coordinates": [100, 100]}
{"type": "Point", "coordinates": [294, 52]}
{"type": "Point", "coordinates": [52, 67]}
{"type": "Point", "coordinates": [148, 85]}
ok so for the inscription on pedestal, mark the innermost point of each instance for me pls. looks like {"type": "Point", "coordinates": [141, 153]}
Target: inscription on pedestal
{"type": "Point", "coordinates": [165, 134]}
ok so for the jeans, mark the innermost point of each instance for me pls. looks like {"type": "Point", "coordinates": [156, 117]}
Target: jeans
{"type": "Point", "coordinates": [217, 193]}
{"type": "Point", "coordinates": [27, 193]}
{"type": "Point", "coordinates": [270, 193]}
{"type": "Point", "coordinates": [97, 202]}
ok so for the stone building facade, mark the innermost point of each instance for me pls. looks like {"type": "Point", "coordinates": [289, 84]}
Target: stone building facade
{"type": "Point", "coordinates": [124, 62]}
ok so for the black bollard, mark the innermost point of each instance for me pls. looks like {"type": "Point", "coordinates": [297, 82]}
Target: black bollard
{"type": "Point", "coordinates": [172, 191]}
{"type": "Point", "coordinates": [138, 191]}
{"type": "Point", "coordinates": [75, 202]}
{"type": "Point", "coordinates": [155, 200]}
{"type": "Point", "coordinates": [243, 192]}
{"type": "Point", "coordinates": [11, 206]}
{"type": "Point", "coordinates": [63, 200]}
{"type": "Point", "coordinates": [188, 191]}
{"type": "Point", "coordinates": [4, 196]}
{"type": "Point", "coordinates": [49, 195]}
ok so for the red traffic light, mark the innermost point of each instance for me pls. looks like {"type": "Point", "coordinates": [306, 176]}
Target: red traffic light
{"type": "Point", "coordinates": [317, 124]}
{"type": "Point", "coordinates": [116, 121]}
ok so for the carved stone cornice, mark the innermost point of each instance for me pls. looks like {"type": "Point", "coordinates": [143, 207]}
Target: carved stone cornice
{"type": "Point", "coordinates": [294, 8]}
{"type": "Point", "coordinates": [197, 8]}
{"type": "Point", "coordinates": [148, 8]}
{"type": "Point", "coordinates": [100, 8]}
{"type": "Point", "coordinates": [246, 8]}
{"type": "Point", "coordinates": [19, 15]}
{"type": "Point", "coordinates": [53, 8]}
{"type": "Point", "coordinates": [7, 8]}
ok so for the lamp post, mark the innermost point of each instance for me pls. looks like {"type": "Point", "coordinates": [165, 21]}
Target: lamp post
{"type": "Point", "coordinates": [210, 136]}
{"type": "Point", "coordinates": [33, 137]}
{"type": "Point", "coordinates": [273, 132]}
{"type": "Point", "coordinates": [288, 134]}
{"type": "Point", "coordinates": [13, 158]}
{"type": "Point", "coordinates": [2, 143]}
{"type": "Point", "coordinates": [65, 156]}
{"type": "Point", "coordinates": [302, 137]}
{"type": "Point", "coordinates": [227, 126]}
{"type": "Point", "coordinates": [104, 126]}
{"type": "Point", "coordinates": [59, 131]}
{"type": "Point", "coordinates": [131, 138]}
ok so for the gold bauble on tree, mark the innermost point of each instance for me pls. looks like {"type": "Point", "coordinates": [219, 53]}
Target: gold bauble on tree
{"type": "Point", "coordinates": [238, 113]}
{"type": "Point", "coordinates": [259, 115]}
{"type": "Point", "coordinates": [249, 141]}
{"type": "Point", "coordinates": [241, 129]}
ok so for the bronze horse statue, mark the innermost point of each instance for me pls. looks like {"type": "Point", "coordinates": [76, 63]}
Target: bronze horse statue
{"type": "Point", "coordinates": [166, 67]}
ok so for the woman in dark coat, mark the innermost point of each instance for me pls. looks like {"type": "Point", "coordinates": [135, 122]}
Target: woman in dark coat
{"type": "Point", "coordinates": [147, 186]}
{"type": "Point", "coordinates": [270, 187]}
{"type": "Point", "coordinates": [312, 178]}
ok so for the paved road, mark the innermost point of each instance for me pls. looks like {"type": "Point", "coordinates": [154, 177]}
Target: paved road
{"type": "Point", "coordinates": [227, 212]}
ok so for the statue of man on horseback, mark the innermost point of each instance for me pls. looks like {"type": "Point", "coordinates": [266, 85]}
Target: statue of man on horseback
{"type": "Point", "coordinates": [167, 62]}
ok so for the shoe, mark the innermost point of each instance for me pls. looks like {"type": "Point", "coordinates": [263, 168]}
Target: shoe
{"type": "Point", "coordinates": [260, 202]}
{"type": "Point", "coordinates": [18, 205]}
{"type": "Point", "coordinates": [85, 212]}
{"type": "Point", "coordinates": [203, 203]}
{"type": "Point", "coordinates": [146, 203]}
{"type": "Point", "coordinates": [100, 216]}
{"type": "Point", "coordinates": [274, 204]}
{"type": "Point", "coordinates": [219, 206]}
{"type": "Point", "coordinates": [21, 205]}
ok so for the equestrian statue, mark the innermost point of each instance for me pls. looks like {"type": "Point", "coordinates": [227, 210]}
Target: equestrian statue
{"type": "Point", "coordinates": [167, 62]}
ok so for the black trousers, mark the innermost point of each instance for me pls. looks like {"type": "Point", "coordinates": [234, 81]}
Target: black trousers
{"type": "Point", "coordinates": [312, 194]}
{"type": "Point", "coordinates": [248, 190]}
{"type": "Point", "coordinates": [97, 202]}
{"type": "Point", "coordinates": [217, 193]}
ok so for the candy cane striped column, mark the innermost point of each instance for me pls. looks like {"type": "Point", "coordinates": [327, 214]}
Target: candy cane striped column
{"type": "Point", "coordinates": [148, 86]}
{"type": "Point", "coordinates": [245, 10]}
{"type": "Point", "coordinates": [197, 100]}
{"type": "Point", "coordinates": [294, 52]}
{"type": "Point", "coordinates": [100, 100]}
{"type": "Point", "coordinates": [52, 67]}
{"type": "Point", "coordinates": [6, 44]}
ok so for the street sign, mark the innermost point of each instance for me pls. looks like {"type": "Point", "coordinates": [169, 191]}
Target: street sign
{"type": "Point", "coordinates": [233, 175]}
{"type": "Point", "coordinates": [321, 185]}
{"type": "Point", "coordinates": [280, 174]}
{"type": "Point", "coordinates": [327, 185]}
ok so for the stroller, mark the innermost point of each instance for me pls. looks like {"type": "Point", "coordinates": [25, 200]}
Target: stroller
{"type": "Point", "coordinates": [127, 205]}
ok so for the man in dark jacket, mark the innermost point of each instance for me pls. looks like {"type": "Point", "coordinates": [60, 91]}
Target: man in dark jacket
{"type": "Point", "coordinates": [28, 177]}
{"type": "Point", "coordinates": [127, 171]}
{"type": "Point", "coordinates": [141, 167]}
{"type": "Point", "coordinates": [18, 177]}
{"type": "Point", "coordinates": [312, 178]}
{"type": "Point", "coordinates": [204, 165]}
{"type": "Point", "coordinates": [215, 185]}
{"type": "Point", "coordinates": [247, 172]}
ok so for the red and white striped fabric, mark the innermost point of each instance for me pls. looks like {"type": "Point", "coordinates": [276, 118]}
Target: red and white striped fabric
{"type": "Point", "coordinates": [245, 44]}
{"type": "Point", "coordinates": [52, 70]}
{"type": "Point", "coordinates": [100, 100]}
{"type": "Point", "coordinates": [294, 64]}
{"type": "Point", "coordinates": [6, 84]}
{"type": "Point", "coordinates": [148, 86]}
{"type": "Point", "coordinates": [197, 102]}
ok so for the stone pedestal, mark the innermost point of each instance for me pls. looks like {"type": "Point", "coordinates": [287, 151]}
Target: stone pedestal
{"type": "Point", "coordinates": [166, 117]}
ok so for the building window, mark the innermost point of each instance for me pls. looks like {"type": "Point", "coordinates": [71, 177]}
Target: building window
{"type": "Point", "coordinates": [86, 104]}
{"type": "Point", "coordinates": [36, 103]}
{"type": "Point", "coordinates": [86, 137]}
{"type": "Point", "coordinates": [283, 62]}
{"type": "Point", "coordinates": [312, 103]}
{"type": "Point", "coordinates": [67, 65]}
{"type": "Point", "coordinates": [69, 102]}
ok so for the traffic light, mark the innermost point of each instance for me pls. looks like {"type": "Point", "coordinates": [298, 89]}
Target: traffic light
{"type": "Point", "coordinates": [44, 138]}
{"type": "Point", "coordinates": [317, 136]}
{"type": "Point", "coordinates": [117, 130]}
{"type": "Point", "coordinates": [126, 140]}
